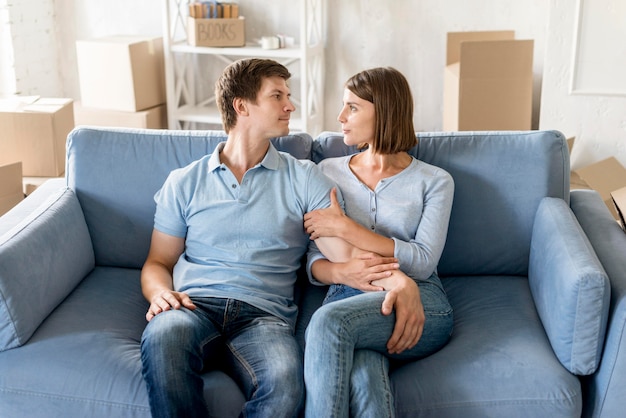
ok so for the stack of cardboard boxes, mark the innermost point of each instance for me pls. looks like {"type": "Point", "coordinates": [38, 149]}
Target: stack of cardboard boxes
{"type": "Point", "coordinates": [488, 82]}
{"type": "Point", "coordinates": [33, 132]}
{"type": "Point", "coordinates": [122, 82]}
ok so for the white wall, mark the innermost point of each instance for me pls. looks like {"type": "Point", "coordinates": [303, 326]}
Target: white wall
{"type": "Point", "coordinates": [598, 121]}
{"type": "Point", "coordinates": [29, 49]}
{"type": "Point", "coordinates": [411, 36]}
{"type": "Point", "coordinates": [406, 34]}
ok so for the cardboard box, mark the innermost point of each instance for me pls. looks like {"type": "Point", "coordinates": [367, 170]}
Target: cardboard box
{"type": "Point", "coordinates": [216, 32]}
{"type": "Point", "coordinates": [30, 184]}
{"type": "Point", "coordinates": [10, 186]}
{"type": "Point", "coordinates": [121, 72]}
{"type": "Point", "coordinates": [605, 177]}
{"type": "Point", "coordinates": [488, 82]}
{"type": "Point", "coordinates": [153, 118]}
{"type": "Point", "coordinates": [570, 143]}
{"type": "Point", "coordinates": [34, 131]}
{"type": "Point", "coordinates": [619, 201]}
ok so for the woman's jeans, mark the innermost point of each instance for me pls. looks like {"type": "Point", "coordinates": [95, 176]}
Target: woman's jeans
{"type": "Point", "coordinates": [259, 350]}
{"type": "Point", "coordinates": [346, 363]}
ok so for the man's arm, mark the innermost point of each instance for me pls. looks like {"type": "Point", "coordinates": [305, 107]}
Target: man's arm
{"type": "Point", "coordinates": [156, 275]}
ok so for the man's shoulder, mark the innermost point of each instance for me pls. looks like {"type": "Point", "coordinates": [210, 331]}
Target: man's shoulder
{"type": "Point", "coordinates": [292, 161]}
{"type": "Point", "coordinates": [193, 167]}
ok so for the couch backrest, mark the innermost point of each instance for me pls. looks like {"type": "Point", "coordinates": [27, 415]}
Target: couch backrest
{"type": "Point", "coordinates": [500, 178]}
{"type": "Point", "coordinates": [116, 172]}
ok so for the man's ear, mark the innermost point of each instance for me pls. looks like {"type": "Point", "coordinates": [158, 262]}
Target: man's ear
{"type": "Point", "coordinates": [241, 106]}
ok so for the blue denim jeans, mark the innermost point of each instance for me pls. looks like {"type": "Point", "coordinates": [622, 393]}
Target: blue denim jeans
{"type": "Point", "coordinates": [259, 351]}
{"type": "Point", "coordinates": [346, 363]}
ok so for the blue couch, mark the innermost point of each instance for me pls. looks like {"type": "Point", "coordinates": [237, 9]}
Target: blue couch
{"type": "Point", "coordinates": [539, 317]}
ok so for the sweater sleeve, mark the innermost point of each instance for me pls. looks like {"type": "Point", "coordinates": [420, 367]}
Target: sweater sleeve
{"type": "Point", "coordinates": [419, 256]}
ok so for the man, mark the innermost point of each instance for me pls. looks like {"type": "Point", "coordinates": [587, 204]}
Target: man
{"type": "Point", "coordinates": [227, 241]}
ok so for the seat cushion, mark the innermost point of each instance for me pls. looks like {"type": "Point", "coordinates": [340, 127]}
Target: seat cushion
{"type": "Point", "coordinates": [85, 359]}
{"type": "Point", "coordinates": [498, 363]}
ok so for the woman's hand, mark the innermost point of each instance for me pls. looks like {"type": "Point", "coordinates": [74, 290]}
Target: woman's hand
{"type": "Point", "coordinates": [361, 272]}
{"type": "Point", "coordinates": [403, 297]}
{"type": "Point", "coordinates": [326, 222]}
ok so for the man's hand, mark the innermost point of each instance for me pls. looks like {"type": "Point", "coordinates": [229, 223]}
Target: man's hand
{"type": "Point", "coordinates": [404, 297]}
{"type": "Point", "coordinates": [167, 300]}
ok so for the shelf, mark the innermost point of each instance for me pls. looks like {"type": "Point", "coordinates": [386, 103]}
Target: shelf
{"type": "Point", "coordinates": [211, 115]}
{"type": "Point", "coordinates": [187, 83]}
{"type": "Point", "coordinates": [245, 51]}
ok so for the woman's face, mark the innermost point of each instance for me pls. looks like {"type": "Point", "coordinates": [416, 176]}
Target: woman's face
{"type": "Point", "coordinates": [357, 119]}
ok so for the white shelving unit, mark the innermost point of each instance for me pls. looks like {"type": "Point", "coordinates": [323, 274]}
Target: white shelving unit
{"type": "Point", "coordinates": [187, 82]}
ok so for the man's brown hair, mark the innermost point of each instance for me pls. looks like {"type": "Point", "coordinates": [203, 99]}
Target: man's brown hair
{"type": "Point", "coordinates": [242, 79]}
{"type": "Point", "coordinates": [390, 93]}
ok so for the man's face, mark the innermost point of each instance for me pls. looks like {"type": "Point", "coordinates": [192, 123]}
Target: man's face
{"type": "Point", "coordinates": [273, 107]}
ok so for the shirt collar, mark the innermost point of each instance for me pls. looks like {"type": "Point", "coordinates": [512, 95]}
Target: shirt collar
{"type": "Point", "coordinates": [270, 161]}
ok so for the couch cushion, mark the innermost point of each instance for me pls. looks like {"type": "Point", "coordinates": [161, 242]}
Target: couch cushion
{"type": "Point", "coordinates": [604, 391]}
{"type": "Point", "coordinates": [498, 363]}
{"type": "Point", "coordinates": [62, 248]}
{"type": "Point", "coordinates": [570, 287]}
{"type": "Point", "coordinates": [85, 359]}
{"type": "Point", "coordinates": [500, 178]}
{"type": "Point", "coordinates": [115, 173]}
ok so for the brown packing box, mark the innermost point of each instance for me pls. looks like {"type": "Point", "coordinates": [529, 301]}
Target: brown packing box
{"type": "Point", "coordinates": [570, 143]}
{"type": "Point", "coordinates": [488, 82]}
{"type": "Point", "coordinates": [605, 177]}
{"type": "Point", "coordinates": [619, 200]}
{"type": "Point", "coordinates": [216, 32]}
{"type": "Point", "coordinates": [121, 72]}
{"type": "Point", "coordinates": [10, 186]}
{"type": "Point", "coordinates": [152, 118]}
{"type": "Point", "coordinates": [34, 131]}
{"type": "Point", "coordinates": [30, 184]}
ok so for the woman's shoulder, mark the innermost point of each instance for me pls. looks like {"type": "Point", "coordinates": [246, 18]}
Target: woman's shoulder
{"type": "Point", "coordinates": [334, 163]}
{"type": "Point", "coordinates": [426, 169]}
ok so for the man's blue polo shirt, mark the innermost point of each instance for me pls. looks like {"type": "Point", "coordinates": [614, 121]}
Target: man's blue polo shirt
{"type": "Point", "coordinates": [242, 241]}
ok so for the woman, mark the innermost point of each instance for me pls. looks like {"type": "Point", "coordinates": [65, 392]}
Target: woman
{"type": "Point", "coordinates": [380, 257]}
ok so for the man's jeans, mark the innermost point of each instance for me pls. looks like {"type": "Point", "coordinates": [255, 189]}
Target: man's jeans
{"type": "Point", "coordinates": [259, 349]}
{"type": "Point", "coordinates": [346, 363]}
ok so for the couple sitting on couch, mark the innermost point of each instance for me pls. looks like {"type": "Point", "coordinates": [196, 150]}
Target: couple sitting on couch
{"type": "Point", "coordinates": [228, 239]}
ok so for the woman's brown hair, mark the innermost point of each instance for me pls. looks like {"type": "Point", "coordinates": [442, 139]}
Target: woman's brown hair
{"type": "Point", "coordinates": [390, 93]}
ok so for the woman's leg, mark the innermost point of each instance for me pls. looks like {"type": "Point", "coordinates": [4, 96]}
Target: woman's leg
{"type": "Point", "coordinates": [370, 387]}
{"type": "Point", "coordinates": [338, 328]}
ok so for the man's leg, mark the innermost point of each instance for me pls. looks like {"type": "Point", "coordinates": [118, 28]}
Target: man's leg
{"type": "Point", "coordinates": [267, 363]}
{"type": "Point", "coordinates": [172, 349]}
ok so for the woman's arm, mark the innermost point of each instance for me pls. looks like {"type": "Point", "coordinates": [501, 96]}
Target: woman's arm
{"type": "Point", "coordinates": [332, 222]}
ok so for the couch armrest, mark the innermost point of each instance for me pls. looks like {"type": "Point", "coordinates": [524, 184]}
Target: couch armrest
{"type": "Point", "coordinates": [45, 251]}
{"type": "Point", "coordinates": [604, 390]}
{"type": "Point", "coordinates": [569, 286]}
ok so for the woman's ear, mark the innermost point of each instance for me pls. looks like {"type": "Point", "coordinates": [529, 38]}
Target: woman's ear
{"type": "Point", "coordinates": [241, 106]}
